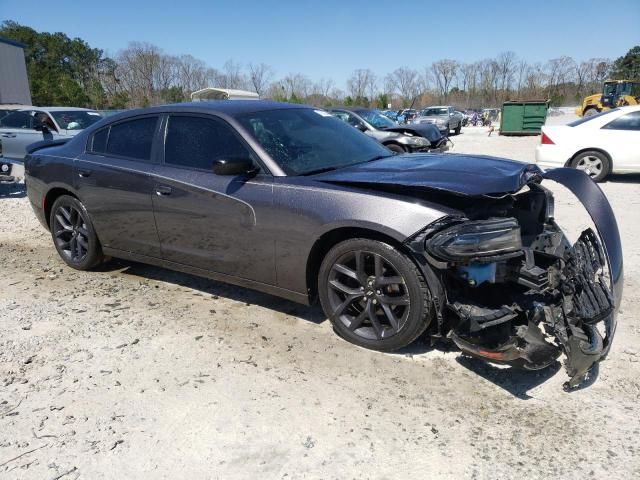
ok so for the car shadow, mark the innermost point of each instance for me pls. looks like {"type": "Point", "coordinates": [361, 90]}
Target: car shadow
{"type": "Point", "coordinates": [12, 190]}
{"type": "Point", "coordinates": [624, 178]}
{"type": "Point", "coordinates": [213, 288]}
{"type": "Point", "coordinates": [516, 381]}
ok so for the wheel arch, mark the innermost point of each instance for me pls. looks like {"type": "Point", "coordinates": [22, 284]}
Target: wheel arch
{"type": "Point", "coordinates": [590, 149]}
{"type": "Point", "coordinates": [331, 238]}
{"type": "Point", "coordinates": [49, 199]}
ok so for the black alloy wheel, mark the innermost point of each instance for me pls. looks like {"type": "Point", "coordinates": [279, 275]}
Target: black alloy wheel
{"type": "Point", "coordinates": [373, 294]}
{"type": "Point", "coordinates": [73, 234]}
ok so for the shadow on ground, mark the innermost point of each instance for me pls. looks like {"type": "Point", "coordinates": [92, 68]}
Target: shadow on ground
{"type": "Point", "coordinates": [516, 381]}
{"type": "Point", "coordinates": [12, 190]}
{"type": "Point", "coordinates": [626, 178]}
{"type": "Point", "coordinates": [211, 287]}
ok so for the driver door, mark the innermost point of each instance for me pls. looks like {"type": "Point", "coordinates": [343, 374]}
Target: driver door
{"type": "Point", "coordinates": [218, 223]}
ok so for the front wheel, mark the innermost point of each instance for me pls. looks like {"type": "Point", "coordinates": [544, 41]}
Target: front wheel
{"type": "Point", "coordinates": [458, 129]}
{"type": "Point", "coordinates": [395, 148]}
{"type": "Point", "coordinates": [73, 234]}
{"type": "Point", "coordinates": [593, 163]}
{"type": "Point", "coordinates": [590, 112]}
{"type": "Point", "coordinates": [374, 295]}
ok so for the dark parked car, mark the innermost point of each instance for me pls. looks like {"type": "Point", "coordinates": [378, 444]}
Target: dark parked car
{"type": "Point", "coordinates": [291, 201]}
{"type": "Point", "coordinates": [397, 138]}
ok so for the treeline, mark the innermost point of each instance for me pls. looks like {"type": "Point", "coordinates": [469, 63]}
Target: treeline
{"type": "Point", "coordinates": [65, 71]}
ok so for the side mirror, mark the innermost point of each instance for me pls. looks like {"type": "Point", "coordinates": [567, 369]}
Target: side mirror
{"type": "Point", "coordinates": [41, 127]}
{"type": "Point", "coordinates": [233, 166]}
{"type": "Point", "coordinates": [362, 127]}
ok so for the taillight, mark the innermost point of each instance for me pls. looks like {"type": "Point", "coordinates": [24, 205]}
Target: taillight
{"type": "Point", "coordinates": [545, 140]}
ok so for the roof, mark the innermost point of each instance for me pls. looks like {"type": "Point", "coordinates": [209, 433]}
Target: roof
{"type": "Point", "coordinates": [235, 107]}
{"type": "Point", "coordinates": [59, 109]}
{"type": "Point", "coordinates": [12, 42]}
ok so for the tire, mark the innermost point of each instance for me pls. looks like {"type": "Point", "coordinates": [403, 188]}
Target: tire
{"type": "Point", "coordinates": [73, 234]}
{"type": "Point", "coordinates": [590, 112]}
{"type": "Point", "coordinates": [395, 148]}
{"type": "Point", "coordinates": [595, 164]}
{"type": "Point", "coordinates": [458, 128]}
{"type": "Point", "coordinates": [374, 296]}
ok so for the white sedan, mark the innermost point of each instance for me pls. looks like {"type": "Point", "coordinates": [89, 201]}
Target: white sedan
{"type": "Point", "coordinates": [608, 142]}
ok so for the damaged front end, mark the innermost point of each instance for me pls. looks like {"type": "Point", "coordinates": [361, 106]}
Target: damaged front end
{"type": "Point", "coordinates": [513, 290]}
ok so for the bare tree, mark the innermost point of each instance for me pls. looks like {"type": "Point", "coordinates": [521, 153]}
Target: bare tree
{"type": "Point", "coordinates": [323, 87]}
{"type": "Point", "coordinates": [361, 83]}
{"type": "Point", "coordinates": [444, 72]}
{"type": "Point", "coordinates": [260, 75]}
{"type": "Point", "coordinates": [506, 65]}
{"type": "Point", "coordinates": [296, 85]}
{"type": "Point", "coordinates": [405, 82]}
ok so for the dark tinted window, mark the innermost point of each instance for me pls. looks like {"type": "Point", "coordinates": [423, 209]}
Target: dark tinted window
{"type": "Point", "coordinates": [99, 142]}
{"type": "Point", "coordinates": [630, 121]}
{"type": "Point", "coordinates": [132, 139]}
{"type": "Point", "coordinates": [195, 142]}
{"type": "Point", "coordinates": [17, 120]}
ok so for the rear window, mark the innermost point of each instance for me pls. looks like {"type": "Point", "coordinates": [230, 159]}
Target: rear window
{"type": "Point", "coordinates": [17, 120]}
{"type": "Point", "coordinates": [132, 139]}
{"type": "Point", "coordinates": [582, 120]}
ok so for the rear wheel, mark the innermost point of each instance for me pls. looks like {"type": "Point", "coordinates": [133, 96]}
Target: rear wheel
{"type": "Point", "coordinates": [374, 295]}
{"type": "Point", "coordinates": [590, 111]}
{"type": "Point", "coordinates": [395, 148]}
{"type": "Point", "coordinates": [593, 163]}
{"type": "Point", "coordinates": [73, 234]}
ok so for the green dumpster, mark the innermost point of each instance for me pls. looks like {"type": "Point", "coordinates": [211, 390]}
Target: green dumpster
{"type": "Point", "coordinates": [523, 118]}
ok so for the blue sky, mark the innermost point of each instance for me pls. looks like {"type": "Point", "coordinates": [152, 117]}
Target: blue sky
{"type": "Point", "coordinates": [330, 38]}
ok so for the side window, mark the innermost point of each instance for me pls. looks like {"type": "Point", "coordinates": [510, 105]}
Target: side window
{"type": "Point", "coordinates": [17, 120]}
{"type": "Point", "coordinates": [630, 121]}
{"type": "Point", "coordinates": [196, 142]}
{"type": "Point", "coordinates": [99, 141]}
{"type": "Point", "coordinates": [132, 138]}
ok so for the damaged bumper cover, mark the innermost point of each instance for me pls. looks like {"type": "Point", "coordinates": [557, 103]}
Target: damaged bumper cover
{"type": "Point", "coordinates": [524, 304]}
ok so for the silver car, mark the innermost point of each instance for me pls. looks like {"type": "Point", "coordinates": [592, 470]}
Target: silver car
{"type": "Point", "coordinates": [446, 118]}
{"type": "Point", "coordinates": [23, 127]}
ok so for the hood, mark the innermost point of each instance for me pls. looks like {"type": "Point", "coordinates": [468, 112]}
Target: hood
{"type": "Point", "coordinates": [469, 175]}
{"type": "Point", "coordinates": [426, 130]}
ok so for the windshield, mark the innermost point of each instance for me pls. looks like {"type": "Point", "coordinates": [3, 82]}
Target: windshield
{"type": "Point", "coordinates": [429, 112]}
{"type": "Point", "coordinates": [377, 119]}
{"type": "Point", "coordinates": [75, 119]}
{"type": "Point", "coordinates": [303, 141]}
{"type": "Point", "coordinates": [582, 120]}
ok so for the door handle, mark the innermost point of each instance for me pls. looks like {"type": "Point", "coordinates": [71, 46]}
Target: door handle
{"type": "Point", "coordinates": [9, 135]}
{"type": "Point", "coordinates": [84, 173]}
{"type": "Point", "coordinates": [163, 190]}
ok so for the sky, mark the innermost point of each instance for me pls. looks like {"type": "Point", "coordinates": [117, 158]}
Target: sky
{"type": "Point", "coordinates": [331, 38]}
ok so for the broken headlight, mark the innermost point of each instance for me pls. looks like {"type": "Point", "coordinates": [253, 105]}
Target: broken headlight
{"type": "Point", "coordinates": [476, 240]}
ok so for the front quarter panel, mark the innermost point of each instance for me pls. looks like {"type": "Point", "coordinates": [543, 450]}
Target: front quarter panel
{"type": "Point", "coordinates": [307, 210]}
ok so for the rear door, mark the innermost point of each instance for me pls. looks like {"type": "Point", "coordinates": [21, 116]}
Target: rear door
{"type": "Point", "coordinates": [113, 180]}
{"type": "Point", "coordinates": [213, 222]}
{"type": "Point", "coordinates": [621, 138]}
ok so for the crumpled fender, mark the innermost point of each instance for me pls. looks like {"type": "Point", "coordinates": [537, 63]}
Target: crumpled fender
{"type": "Point", "coordinates": [600, 211]}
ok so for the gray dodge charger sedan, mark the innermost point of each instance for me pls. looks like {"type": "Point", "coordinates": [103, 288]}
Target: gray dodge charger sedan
{"type": "Point", "coordinates": [291, 201]}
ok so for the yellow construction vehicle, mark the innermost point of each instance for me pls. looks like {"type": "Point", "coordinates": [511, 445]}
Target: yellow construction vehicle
{"type": "Point", "coordinates": [615, 93]}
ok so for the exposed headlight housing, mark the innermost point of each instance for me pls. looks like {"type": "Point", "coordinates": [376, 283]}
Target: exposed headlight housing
{"type": "Point", "coordinates": [480, 240]}
{"type": "Point", "coordinates": [420, 141]}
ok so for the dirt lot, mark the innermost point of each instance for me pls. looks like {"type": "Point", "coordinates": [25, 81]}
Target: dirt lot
{"type": "Point", "coordinates": [137, 372]}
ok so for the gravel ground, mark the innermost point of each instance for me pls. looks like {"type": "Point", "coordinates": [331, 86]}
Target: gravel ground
{"type": "Point", "coordinates": [133, 371]}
